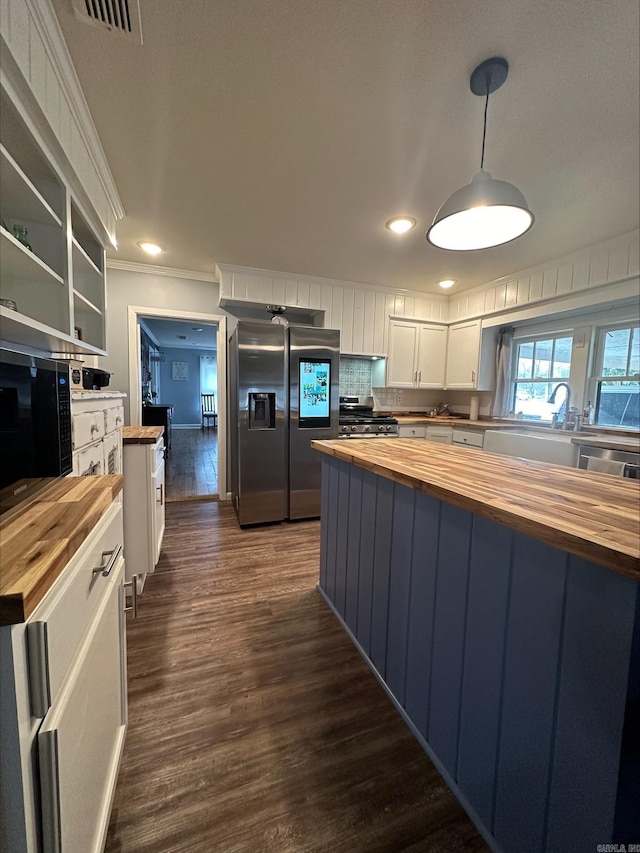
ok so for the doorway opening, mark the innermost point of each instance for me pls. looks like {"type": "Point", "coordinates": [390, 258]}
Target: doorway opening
{"type": "Point", "coordinates": [197, 458]}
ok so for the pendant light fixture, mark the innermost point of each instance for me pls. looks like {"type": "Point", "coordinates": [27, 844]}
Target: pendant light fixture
{"type": "Point", "coordinates": [486, 212]}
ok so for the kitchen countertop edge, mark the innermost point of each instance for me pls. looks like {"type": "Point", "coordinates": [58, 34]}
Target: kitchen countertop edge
{"type": "Point", "coordinates": [521, 499]}
{"type": "Point", "coordinates": [36, 546]}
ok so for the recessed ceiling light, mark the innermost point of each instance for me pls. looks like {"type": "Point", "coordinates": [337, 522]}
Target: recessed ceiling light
{"type": "Point", "coordinates": [447, 282]}
{"type": "Point", "coordinates": [150, 248]}
{"type": "Point", "coordinates": [400, 224]}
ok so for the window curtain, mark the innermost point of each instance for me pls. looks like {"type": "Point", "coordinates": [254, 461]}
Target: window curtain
{"type": "Point", "coordinates": [208, 374]}
{"type": "Point", "coordinates": [504, 360]}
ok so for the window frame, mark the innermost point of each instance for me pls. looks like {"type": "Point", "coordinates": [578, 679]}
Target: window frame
{"type": "Point", "coordinates": [596, 376]}
{"type": "Point", "coordinates": [533, 338]}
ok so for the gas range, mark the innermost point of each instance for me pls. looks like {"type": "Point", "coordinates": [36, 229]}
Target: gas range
{"type": "Point", "coordinates": [367, 426]}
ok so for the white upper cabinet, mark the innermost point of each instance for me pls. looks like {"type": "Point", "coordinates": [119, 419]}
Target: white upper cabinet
{"type": "Point", "coordinates": [416, 355]}
{"type": "Point", "coordinates": [470, 357]}
{"type": "Point", "coordinates": [51, 261]}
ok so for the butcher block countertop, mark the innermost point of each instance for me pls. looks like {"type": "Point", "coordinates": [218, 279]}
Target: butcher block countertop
{"type": "Point", "coordinates": [595, 516]}
{"type": "Point", "coordinates": [37, 544]}
{"type": "Point", "coordinates": [141, 434]}
{"type": "Point", "coordinates": [609, 442]}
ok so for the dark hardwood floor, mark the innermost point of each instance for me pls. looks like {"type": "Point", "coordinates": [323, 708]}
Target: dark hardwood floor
{"type": "Point", "coordinates": [254, 725]}
{"type": "Point", "coordinates": [192, 465]}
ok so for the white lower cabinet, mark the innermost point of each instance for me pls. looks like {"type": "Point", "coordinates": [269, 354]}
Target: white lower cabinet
{"type": "Point", "coordinates": [439, 434]}
{"type": "Point", "coordinates": [144, 507]}
{"type": "Point", "coordinates": [411, 431]}
{"type": "Point", "coordinates": [468, 438]}
{"type": "Point", "coordinates": [97, 419]}
{"type": "Point", "coordinates": [63, 703]}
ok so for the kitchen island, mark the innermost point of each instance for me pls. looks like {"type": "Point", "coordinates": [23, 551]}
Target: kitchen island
{"type": "Point", "coordinates": [497, 602]}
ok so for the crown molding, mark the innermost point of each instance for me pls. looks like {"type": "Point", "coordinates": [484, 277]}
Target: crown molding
{"type": "Point", "coordinates": [151, 269]}
{"type": "Point", "coordinates": [46, 23]}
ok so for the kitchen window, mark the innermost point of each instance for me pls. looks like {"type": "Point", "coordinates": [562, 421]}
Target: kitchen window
{"type": "Point", "coordinates": [616, 377]}
{"type": "Point", "coordinates": [539, 364]}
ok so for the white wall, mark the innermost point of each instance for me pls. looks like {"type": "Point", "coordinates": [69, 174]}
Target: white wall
{"type": "Point", "coordinates": [125, 288]}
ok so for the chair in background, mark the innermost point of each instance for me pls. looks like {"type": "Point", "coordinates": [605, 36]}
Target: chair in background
{"type": "Point", "coordinates": [209, 410]}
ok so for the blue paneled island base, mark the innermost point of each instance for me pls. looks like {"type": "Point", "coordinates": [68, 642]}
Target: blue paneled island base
{"type": "Point", "coordinates": [514, 662]}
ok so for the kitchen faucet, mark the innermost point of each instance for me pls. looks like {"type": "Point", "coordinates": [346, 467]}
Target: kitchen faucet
{"type": "Point", "coordinates": [552, 399]}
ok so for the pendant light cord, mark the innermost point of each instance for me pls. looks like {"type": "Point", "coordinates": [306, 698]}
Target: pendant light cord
{"type": "Point", "coordinates": [484, 131]}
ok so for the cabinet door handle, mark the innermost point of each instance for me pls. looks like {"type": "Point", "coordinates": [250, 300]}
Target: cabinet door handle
{"type": "Point", "coordinates": [473, 376]}
{"type": "Point", "coordinates": [133, 585]}
{"type": "Point", "coordinates": [160, 489]}
{"type": "Point", "coordinates": [113, 555]}
{"type": "Point", "coordinates": [419, 376]}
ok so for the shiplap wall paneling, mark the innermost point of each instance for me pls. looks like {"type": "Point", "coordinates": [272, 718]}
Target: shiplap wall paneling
{"type": "Point", "coordinates": [326, 525]}
{"type": "Point", "coordinates": [531, 669]}
{"type": "Point", "coordinates": [448, 633]}
{"type": "Point", "coordinates": [424, 563]}
{"type": "Point", "coordinates": [515, 662]}
{"type": "Point", "coordinates": [400, 590]}
{"type": "Point", "coordinates": [353, 550]}
{"type": "Point", "coordinates": [489, 578]}
{"type": "Point", "coordinates": [365, 583]}
{"type": "Point", "coordinates": [580, 793]}
{"type": "Point", "coordinates": [381, 573]}
{"type": "Point", "coordinates": [342, 534]}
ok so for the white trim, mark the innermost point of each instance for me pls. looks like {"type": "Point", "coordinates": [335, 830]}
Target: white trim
{"type": "Point", "coordinates": [134, 312]}
{"type": "Point", "coordinates": [49, 31]}
{"type": "Point", "coordinates": [150, 269]}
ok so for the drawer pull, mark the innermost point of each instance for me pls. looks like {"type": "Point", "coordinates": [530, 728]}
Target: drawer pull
{"type": "Point", "coordinates": [113, 555]}
{"type": "Point", "coordinates": [94, 428]}
{"type": "Point", "coordinates": [133, 586]}
{"type": "Point", "coordinates": [160, 489]}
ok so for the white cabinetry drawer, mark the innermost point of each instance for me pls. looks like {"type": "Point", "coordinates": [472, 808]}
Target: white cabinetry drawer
{"type": "Point", "coordinates": [409, 431]}
{"type": "Point", "coordinates": [89, 461]}
{"type": "Point", "coordinates": [113, 418]}
{"type": "Point", "coordinates": [58, 625]}
{"type": "Point", "coordinates": [87, 427]}
{"type": "Point", "coordinates": [468, 438]}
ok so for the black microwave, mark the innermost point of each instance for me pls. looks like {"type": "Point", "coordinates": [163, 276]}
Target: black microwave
{"type": "Point", "coordinates": [35, 426]}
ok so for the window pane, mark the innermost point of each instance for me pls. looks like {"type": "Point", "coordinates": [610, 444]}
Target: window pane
{"type": "Point", "coordinates": [531, 400]}
{"type": "Point", "coordinates": [618, 404]}
{"type": "Point", "coordinates": [542, 359]}
{"type": "Point", "coordinates": [616, 351]}
{"type": "Point", "coordinates": [525, 360]}
{"type": "Point", "coordinates": [562, 358]}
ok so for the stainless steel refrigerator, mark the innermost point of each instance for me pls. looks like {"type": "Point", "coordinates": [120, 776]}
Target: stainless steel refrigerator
{"type": "Point", "coordinates": [284, 392]}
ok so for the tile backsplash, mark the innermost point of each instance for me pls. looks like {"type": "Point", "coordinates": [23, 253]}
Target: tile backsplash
{"type": "Point", "coordinates": [357, 375]}
{"type": "Point", "coordinates": [422, 400]}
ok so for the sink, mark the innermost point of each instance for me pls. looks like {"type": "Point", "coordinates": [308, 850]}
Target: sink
{"type": "Point", "coordinates": [554, 447]}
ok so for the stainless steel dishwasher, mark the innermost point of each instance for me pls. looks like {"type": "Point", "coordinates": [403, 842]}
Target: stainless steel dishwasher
{"type": "Point", "coordinates": [628, 462]}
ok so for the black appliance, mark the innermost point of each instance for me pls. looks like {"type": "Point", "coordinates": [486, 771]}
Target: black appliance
{"type": "Point", "coordinates": [357, 420]}
{"type": "Point", "coordinates": [93, 378]}
{"type": "Point", "coordinates": [35, 426]}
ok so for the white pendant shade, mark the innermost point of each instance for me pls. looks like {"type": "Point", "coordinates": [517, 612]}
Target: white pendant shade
{"type": "Point", "coordinates": [485, 213]}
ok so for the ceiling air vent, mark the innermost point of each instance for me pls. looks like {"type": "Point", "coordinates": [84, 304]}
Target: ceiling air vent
{"type": "Point", "coordinates": [117, 16]}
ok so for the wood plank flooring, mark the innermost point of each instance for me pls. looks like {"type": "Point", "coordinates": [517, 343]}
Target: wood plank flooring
{"type": "Point", "coordinates": [254, 725]}
{"type": "Point", "coordinates": [192, 465]}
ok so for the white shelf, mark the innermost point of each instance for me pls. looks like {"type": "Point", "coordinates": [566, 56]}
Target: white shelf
{"type": "Point", "coordinates": [82, 259]}
{"type": "Point", "coordinates": [86, 302]}
{"type": "Point", "coordinates": [19, 264]}
{"type": "Point", "coordinates": [20, 199]}
{"type": "Point", "coordinates": [19, 329]}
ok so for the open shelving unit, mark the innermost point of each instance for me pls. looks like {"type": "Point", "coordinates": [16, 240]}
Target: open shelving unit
{"type": "Point", "coordinates": [52, 264]}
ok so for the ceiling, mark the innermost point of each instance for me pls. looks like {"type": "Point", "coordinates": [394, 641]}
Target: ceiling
{"type": "Point", "coordinates": [282, 134]}
{"type": "Point", "coordinates": [177, 334]}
